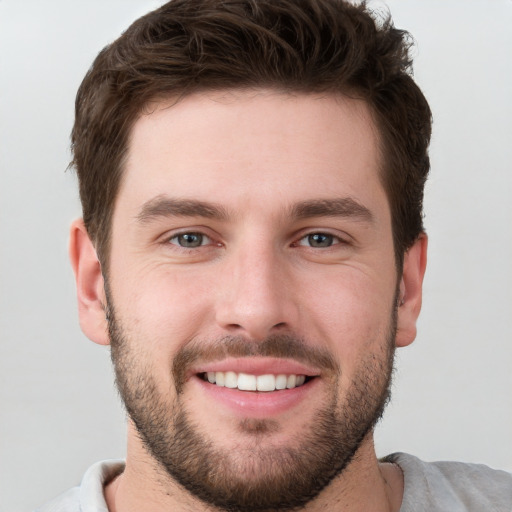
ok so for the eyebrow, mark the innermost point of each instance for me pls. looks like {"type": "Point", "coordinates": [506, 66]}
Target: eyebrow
{"type": "Point", "coordinates": [163, 206]}
{"type": "Point", "coordinates": [339, 207]}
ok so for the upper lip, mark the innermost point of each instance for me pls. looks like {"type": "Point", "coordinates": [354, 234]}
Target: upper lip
{"type": "Point", "coordinates": [256, 366]}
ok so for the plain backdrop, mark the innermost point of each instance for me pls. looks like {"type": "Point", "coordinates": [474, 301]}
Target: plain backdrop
{"type": "Point", "coordinates": [452, 398]}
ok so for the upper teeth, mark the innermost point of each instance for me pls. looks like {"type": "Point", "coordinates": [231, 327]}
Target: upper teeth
{"type": "Point", "coordinates": [247, 382]}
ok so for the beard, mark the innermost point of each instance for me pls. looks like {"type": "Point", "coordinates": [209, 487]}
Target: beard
{"type": "Point", "coordinates": [254, 475]}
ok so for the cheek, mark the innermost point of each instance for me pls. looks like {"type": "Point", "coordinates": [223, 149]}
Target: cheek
{"type": "Point", "coordinates": [163, 309]}
{"type": "Point", "coordinates": [352, 313]}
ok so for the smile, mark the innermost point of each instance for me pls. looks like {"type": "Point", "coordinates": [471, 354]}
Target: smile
{"type": "Point", "coordinates": [249, 382]}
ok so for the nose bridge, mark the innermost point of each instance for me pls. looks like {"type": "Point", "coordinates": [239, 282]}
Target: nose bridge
{"type": "Point", "coordinates": [254, 299]}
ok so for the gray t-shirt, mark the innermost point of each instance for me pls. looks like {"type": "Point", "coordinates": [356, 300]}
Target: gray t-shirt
{"type": "Point", "coordinates": [428, 487]}
{"type": "Point", "coordinates": [452, 486]}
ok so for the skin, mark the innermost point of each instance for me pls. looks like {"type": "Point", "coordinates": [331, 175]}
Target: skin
{"type": "Point", "coordinates": [256, 155]}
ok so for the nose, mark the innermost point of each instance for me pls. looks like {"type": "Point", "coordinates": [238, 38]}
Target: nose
{"type": "Point", "coordinates": [255, 295]}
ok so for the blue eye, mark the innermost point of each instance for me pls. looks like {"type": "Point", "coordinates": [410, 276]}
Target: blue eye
{"type": "Point", "coordinates": [190, 240]}
{"type": "Point", "coordinates": [318, 240]}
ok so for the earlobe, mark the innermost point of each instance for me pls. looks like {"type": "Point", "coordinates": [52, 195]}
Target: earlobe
{"type": "Point", "coordinates": [410, 291]}
{"type": "Point", "coordinates": [89, 284]}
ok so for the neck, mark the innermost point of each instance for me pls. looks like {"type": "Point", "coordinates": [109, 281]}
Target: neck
{"type": "Point", "coordinates": [364, 485]}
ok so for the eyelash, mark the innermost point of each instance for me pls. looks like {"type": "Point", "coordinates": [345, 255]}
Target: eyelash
{"type": "Point", "coordinates": [331, 239]}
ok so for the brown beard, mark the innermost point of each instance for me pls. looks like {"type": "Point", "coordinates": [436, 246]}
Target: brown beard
{"type": "Point", "coordinates": [254, 476]}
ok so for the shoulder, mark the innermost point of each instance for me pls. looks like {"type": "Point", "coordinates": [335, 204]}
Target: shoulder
{"type": "Point", "coordinates": [454, 486]}
{"type": "Point", "coordinates": [88, 497]}
{"type": "Point", "coordinates": [66, 502]}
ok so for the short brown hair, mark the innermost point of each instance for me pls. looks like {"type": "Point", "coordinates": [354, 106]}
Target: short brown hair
{"type": "Point", "coordinates": [308, 46]}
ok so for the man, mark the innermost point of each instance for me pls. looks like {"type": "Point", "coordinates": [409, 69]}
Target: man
{"type": "Point", "coordinates": [251, 176]}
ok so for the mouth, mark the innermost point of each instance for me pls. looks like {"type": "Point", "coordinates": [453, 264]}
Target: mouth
{"type": "Point", "coordinates": [255, 387]}
{"type": "Point", "coordinates": [249, 382]}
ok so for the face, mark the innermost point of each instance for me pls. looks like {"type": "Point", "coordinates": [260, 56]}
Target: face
{"type": "Point", "coordinates": [252, 292]}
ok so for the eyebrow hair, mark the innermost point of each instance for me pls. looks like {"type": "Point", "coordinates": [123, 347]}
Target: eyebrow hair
{"type": "Point", "coordinates": [339, 207]}
{"type": "Point", "coordinates": [164, 206]}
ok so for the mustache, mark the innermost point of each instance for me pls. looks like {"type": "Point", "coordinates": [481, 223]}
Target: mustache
{"type": "Point", "coordinates": [277, 346]}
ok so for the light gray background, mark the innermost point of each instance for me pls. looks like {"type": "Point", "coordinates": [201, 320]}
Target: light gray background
{"type": "Point", "coordinates": [452, 395]}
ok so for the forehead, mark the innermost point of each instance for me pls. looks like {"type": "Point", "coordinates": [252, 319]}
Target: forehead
{"type": "Point", "coordinates": [243, 147]}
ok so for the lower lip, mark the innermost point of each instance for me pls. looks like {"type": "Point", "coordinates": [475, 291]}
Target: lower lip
{"type": "Point", "coordinates": [254, 404]}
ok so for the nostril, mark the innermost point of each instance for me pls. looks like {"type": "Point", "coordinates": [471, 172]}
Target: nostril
{"type": "Point", "coordinates": [234, 327]}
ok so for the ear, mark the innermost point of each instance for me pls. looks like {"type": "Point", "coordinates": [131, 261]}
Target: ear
{"type": "Point", "coordinates": [410, 291]}
{"type": "Point", "coordinates": [89, 284]}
